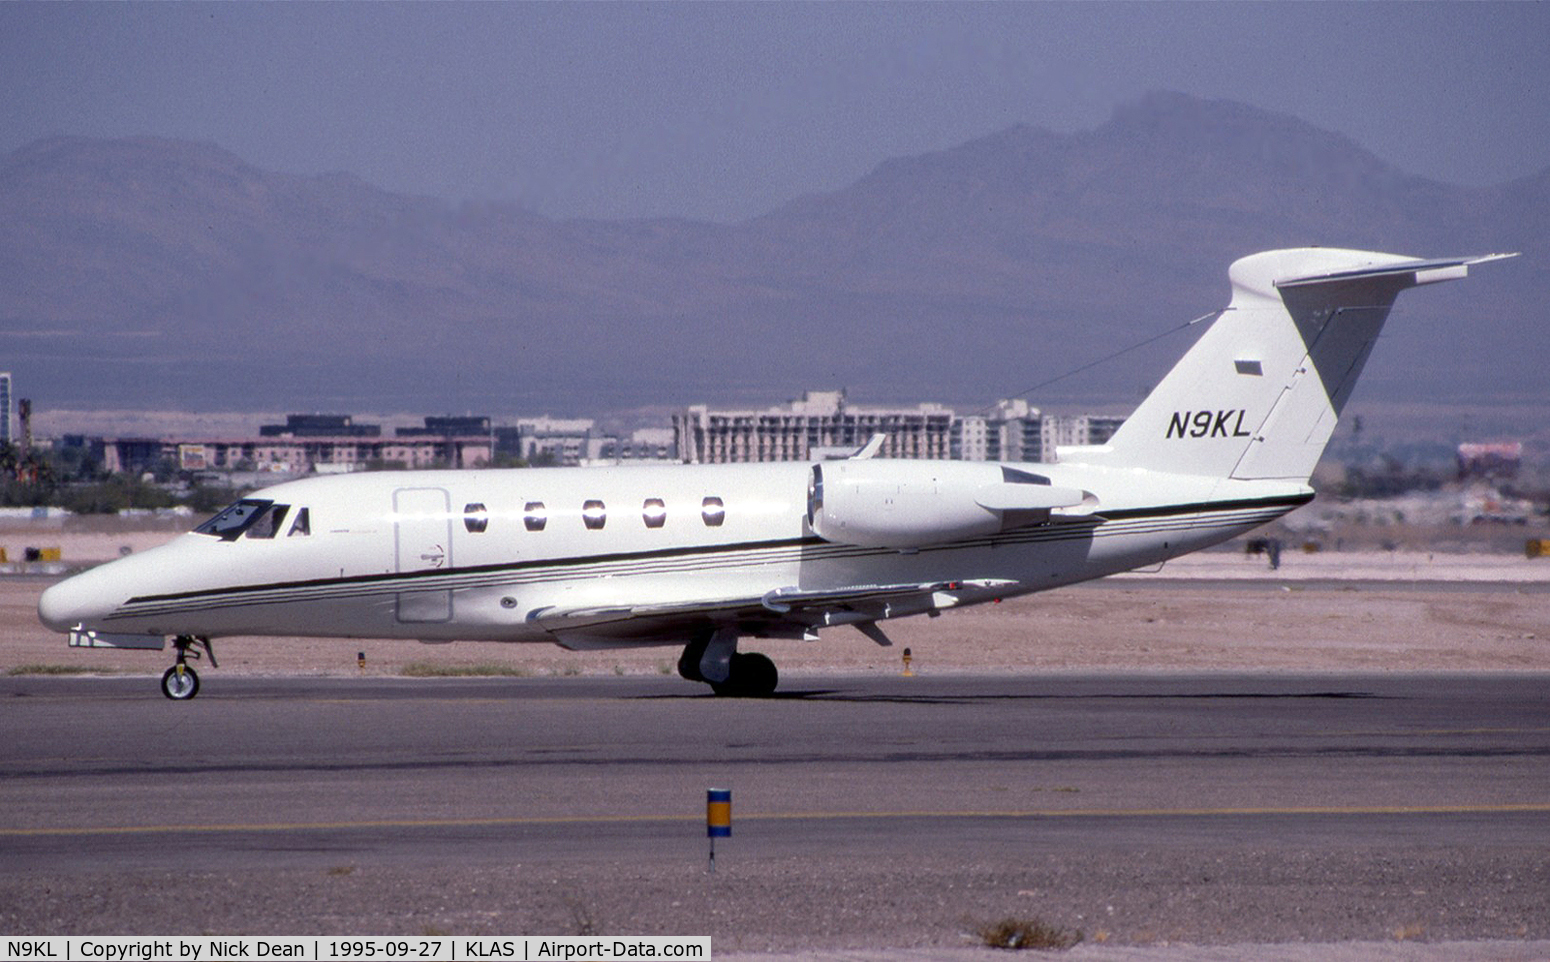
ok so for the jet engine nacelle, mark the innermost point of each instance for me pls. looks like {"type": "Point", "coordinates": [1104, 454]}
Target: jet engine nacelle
{"type": "Point", "coordinates": [909, 504]}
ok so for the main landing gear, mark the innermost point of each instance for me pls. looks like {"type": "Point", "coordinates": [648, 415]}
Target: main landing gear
{"type": "Point", "coordinates": [181, 682]}
{"type": "Point", "coordinates": [714, 659]}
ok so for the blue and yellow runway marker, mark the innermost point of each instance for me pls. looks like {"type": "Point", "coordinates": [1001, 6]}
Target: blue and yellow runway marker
{"type": "Point", "coordinates": [718, 818]}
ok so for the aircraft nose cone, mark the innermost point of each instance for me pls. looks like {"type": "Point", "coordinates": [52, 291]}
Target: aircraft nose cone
{"type": "Point", "coordinates": [74, 601]}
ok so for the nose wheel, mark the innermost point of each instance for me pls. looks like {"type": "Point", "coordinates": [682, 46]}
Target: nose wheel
{"type": "Point", "coordinates": [181, 681]}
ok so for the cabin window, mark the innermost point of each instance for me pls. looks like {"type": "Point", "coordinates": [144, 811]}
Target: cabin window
{"type": "Point", "coordinates": [535, 515]}
{"type": "Point", "coordinates": [713, 511]}
{"type": "Point", "coordinates": [655, 512]}
{"type": "Point", "coordinates": [594, 514]}
{"type": "Point", "coordinates": [268, 523]}
{"type": "Point", "coordinates": [475, 518]}
{"type": "Point", "coordinates": [302, 526]}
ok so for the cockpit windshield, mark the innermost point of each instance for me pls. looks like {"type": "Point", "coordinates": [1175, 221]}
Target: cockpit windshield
{"type": "Point", "coordinates": [257, 518]}
{"type": "Point", "coordinates": [229, 524]}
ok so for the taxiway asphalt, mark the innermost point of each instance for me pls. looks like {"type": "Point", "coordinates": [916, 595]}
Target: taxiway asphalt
{"type": "Point", "coordinates": [868, 812]}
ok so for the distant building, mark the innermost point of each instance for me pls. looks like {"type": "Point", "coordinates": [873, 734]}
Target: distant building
{"type": "Point", "coordinates": [5, 408]}
{"type": "Point", "coordinates": [821, 422]}
{"type": "Point", "coordinates": [291, 455]}
{"type": "Point", "coordinates": [449, 427]}
{"type": "Point", "coordinates": [970, 438]}
{"type": "Point", "coordinates": [320, 426]}
{"type": "Point", "coordinates": [1011, 431]}
{"type": "Point", "coordinates": [90, 450]}
{"type": "Point", "coordinates": [1015, 431]}
{"type": "Point", "coordinates": [643, 445]}
{"type": "Point", "coordinates": [134, 455]}
{"type": "Point", "coordinates": [309, 443]}
{"type": "Point", "coordinates": [546, 440]}
{"type": "Point", "coordinates": [1500, 460]}
{"type": "Point", "coordinates": [1079, 430]}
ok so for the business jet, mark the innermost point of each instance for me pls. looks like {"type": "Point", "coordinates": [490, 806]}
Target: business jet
{"type": "Point", "coordinates": [702, 556]}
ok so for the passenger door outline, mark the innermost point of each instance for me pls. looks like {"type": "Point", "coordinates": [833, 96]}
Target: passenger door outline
{"type": "Point", "coordinates": [422, 541]}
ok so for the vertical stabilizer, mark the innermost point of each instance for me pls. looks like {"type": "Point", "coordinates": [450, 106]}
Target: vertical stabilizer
{"type": "Point", "coordinates": [1259, 394]}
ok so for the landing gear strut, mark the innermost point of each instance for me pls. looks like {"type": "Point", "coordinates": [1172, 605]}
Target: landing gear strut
{"type": "Point", "coordinates": [181, 682]}
{"type": "Point", "coordinates": [714, 659]}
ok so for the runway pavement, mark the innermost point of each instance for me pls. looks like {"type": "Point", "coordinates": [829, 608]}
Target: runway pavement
{"type": "Point", "coordinates": [868, 812]}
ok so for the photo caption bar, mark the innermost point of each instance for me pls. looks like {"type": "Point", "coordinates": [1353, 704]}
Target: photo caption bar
{"type": "Point", "coordinates": [526, 948]}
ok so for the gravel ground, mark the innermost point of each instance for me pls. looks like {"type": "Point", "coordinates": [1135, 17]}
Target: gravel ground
{"type": "Point", "coordinates": [928, 907]}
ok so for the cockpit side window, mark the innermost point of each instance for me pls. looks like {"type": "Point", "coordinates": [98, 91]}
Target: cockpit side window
{"type": "Point", "coordinates": [268, 523]}
{"type": "Point", "coordinates": [231, 523]}
{"type": "Point", "coordinates": [302, 526]}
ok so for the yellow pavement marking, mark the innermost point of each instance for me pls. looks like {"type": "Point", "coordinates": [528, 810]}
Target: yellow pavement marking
{"type": "Point", "coordinates": [515, 821]}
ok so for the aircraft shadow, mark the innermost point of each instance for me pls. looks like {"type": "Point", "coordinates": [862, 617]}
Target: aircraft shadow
{"type": "Point", "coordinates": [894, 698]}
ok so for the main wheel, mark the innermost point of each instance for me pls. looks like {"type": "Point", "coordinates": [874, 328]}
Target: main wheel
{"type": "Point", "coordinates": [180, 685]}
{"type": "Point", "coordinates": [753, 676]}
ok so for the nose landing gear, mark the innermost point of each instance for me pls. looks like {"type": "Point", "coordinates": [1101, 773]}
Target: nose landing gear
{"type": "Point", "coordinates": [181, 682]}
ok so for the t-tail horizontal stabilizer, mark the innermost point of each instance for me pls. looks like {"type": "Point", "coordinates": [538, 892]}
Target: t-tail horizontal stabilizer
{"type": "Point", "coordinates": [1258, 395]}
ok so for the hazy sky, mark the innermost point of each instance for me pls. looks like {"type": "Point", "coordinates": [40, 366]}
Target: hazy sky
{"type": "Point", "coordinates": [723, 111]}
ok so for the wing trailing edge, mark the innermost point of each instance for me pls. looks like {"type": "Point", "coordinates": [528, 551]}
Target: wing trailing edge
{"type": "Point", "coordinates": [782, 612]}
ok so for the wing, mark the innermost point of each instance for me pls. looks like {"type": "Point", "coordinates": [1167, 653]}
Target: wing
{"type": "Point", "coordinates": [782, 613]}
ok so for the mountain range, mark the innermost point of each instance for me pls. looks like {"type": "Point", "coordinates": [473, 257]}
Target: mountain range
{"type": "Point", "coordinates": [155, 273]}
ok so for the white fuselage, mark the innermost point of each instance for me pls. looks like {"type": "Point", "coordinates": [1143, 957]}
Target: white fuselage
{"type": "Point", "coordinates": [541, 554]}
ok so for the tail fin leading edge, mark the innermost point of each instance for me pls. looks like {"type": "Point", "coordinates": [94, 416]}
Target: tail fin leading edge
{"type": "Point", "coordinates": [1259, 394]}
